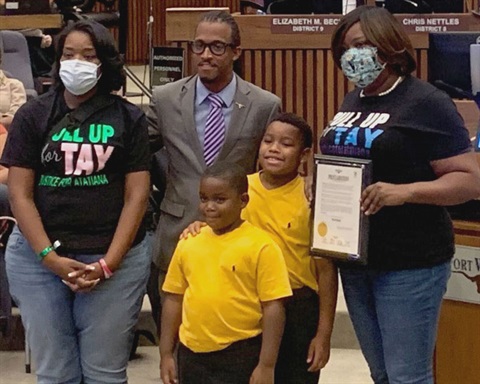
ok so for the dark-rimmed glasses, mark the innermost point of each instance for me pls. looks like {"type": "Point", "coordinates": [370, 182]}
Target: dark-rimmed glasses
{"type": "Point", "coordinates": [217, 48]}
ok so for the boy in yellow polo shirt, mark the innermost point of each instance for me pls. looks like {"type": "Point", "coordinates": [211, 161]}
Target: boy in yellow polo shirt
{"type": "Point", "coordinates": [278, 205]}
{"type": "Point", "coordinates": [224, 291]}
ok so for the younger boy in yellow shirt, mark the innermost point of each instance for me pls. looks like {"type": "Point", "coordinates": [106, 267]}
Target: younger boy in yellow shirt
{"type": "Point", "coordinates": [224, 291]}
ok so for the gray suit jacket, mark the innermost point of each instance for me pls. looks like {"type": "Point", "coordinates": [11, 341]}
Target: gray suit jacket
{"type": "Point", "coordinates": [173, 105]}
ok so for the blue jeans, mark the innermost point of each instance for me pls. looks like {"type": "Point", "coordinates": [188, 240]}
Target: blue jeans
{"type": "Point", "coordinates": [77, 338]}
{"type": "Point", "coordinates": [395, 316]}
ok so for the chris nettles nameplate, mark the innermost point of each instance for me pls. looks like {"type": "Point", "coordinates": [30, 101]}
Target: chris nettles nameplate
{"type": "Point", "coordinates": [339, 228]}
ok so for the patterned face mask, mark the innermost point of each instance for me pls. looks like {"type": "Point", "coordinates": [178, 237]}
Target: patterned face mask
{"type": "Point", "coordinates": [361, 66]}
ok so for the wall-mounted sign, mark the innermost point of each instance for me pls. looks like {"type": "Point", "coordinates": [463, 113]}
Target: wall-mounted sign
{"type": "Point", "coordinates": [464, 283]}
{"type": "Point", "coordinates": [421, 23]}
{"type": "Point", "coordinates": [166, 65]}
{"type": "Point", "coordinates": [298, 24]}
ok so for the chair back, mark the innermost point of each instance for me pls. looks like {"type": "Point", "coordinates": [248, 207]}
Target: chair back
{"type": "Point", "coordinates": [16, 59]}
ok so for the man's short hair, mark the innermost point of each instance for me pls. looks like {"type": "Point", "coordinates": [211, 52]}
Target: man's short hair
{"type": "Point", "coordinates": [232, 173]}
{"type": "Point", "coordinates": [299, 123]}
{"type": "Point", "coordinates": [223, 17]}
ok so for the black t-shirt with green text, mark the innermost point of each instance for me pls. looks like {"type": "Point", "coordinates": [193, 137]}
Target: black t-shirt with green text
{"type": "Point", "coordinates": [402, 133]}
{"type": "Point", "coordinates": [79, 168]}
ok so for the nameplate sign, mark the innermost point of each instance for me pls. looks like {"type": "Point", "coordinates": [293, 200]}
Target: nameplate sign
{"type": "Point", "coordinates": [303, 25]}
{"type": "Point", "coordinates": [421, 23]}
{"type": "Point", "coordinates": [464, 283]}
{"type": "Point", "coordinates": [166, 65]}
{"type": "Point", "coordinates": [438, 22]}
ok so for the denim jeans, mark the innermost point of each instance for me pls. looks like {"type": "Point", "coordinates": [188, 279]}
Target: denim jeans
{"type": "Point", "coordinates": [395, 316]}
{"type": "Point", "coordinates": [77, 337]}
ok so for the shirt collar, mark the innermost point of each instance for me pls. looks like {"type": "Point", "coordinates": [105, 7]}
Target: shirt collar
{"type": "Point", "coordinates": [226, 94]}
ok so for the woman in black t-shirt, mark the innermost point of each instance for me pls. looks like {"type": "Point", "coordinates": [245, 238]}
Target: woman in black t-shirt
{"type": "Point", "coordinates": [79, 183]}
{"type": "Point", "coordinates": [421, 161]}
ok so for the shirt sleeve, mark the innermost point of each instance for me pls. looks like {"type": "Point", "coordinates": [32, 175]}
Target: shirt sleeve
{"type": "Point", "coordinates": [138, 151]}
{"type": "Point", "coordinates": [23, 148]}
{"type": "Point", "coordinates": [175, 281]}
{"type": "Point", "coordinates": [445, 132]}
{"type": "Point", "coordinates": [18, 96]}
{"type": "Point", "coordinates": [272, 275]}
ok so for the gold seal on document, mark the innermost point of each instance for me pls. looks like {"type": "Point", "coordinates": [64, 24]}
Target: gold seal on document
{"type": "Point", "coordinates": [322, 229]}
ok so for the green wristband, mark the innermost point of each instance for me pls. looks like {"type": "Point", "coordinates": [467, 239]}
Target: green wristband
{"type": "Point", "coordinates": [48, 249]}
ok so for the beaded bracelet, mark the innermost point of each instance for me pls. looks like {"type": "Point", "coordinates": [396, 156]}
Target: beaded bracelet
{"type": "Point", "coordinates": [106, 271]}
{"type": "Point", "coordinates": [48, 249]}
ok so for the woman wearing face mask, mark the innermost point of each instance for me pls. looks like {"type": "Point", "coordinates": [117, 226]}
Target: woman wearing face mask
{"type": "Point", "coordinates": [77, 264]}
{"type": "Point", "coordinates": [422, 161]}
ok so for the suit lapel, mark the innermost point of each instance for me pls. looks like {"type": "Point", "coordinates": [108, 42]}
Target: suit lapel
{"type": "Point", "coordinates": [241, 107]}
{"type": "Point", "coordinates": [187, 106]}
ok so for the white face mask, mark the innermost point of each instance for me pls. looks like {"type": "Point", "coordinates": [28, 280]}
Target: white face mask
{"type": "Point", "coordinates": [78, 76]}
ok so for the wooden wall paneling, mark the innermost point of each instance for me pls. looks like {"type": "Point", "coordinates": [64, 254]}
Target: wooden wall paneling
{"type": "Point", "coordinates": [456, 345]}
{"type": "Point", "coordinates": [299, 86]}
{"type": "Point", "coordinates": [309, 77]}
{"type": "Point", "coordinates": [258, 74]}
{"type": "Point", "coordinates": [288, 69]}
{"type": "Point", "coordinates": [161, 6]}
{"type": "Point", "coordinates": [247, 61]}
{"type": "Point", "coordinates": [278, 89]}
{"type": "Point", "coordinates": [470, 5]}
{"type": "Point", "coordinates": [331, 90]}
{"type": "Point", "coordinates": [320, 96]}
{"type": "Point", "coordinates": [139, 11]}
{"type": "Point", "coordinates": [267, 70]}
{"type": "Point", "coordinates": [458, 341]}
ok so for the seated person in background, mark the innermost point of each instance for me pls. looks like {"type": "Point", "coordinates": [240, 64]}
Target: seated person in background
{"type": "Point", "coordinates": [224, 291]}
{"type": "Point", "coordinates": [278, 205]}
{"type": "Point", "coordinates": [41, 50]}
{"type": "Point", "coordinates": [12, 96]}
{"type": "Point", "coordinates": [252, 7]}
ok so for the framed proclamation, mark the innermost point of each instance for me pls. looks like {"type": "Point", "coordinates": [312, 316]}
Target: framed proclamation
{"type": "Point", "coordinates": [339, 227]}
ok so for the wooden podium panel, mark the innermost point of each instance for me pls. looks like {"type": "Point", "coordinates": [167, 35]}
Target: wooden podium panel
{"type": "Point", "coordinates": [30, 21]}
{"type": "Point", "coordinates": [457, 353]}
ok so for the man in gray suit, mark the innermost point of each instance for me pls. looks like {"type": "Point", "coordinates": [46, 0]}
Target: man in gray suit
{"type": "Point", "coordinates": [182, 112]}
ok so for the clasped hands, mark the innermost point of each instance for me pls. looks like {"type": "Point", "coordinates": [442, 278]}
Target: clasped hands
{"type": "Point", "coordinates": [78, 276]}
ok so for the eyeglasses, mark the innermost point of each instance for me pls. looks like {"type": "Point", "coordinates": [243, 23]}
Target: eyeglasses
{"type": "Point", "coordinates": [218, 48]}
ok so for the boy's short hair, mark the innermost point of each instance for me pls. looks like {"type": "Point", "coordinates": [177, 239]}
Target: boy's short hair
{"type": "Point", "coordinates": [299, 123]}
{"type": "Point", "coordinates": [232, 173]}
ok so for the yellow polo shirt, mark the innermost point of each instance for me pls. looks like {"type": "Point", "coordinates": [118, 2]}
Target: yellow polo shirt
{"type": "Point", "coordinates": [224, 279]}
{"type": "Point", "coordinates": [284, 213]}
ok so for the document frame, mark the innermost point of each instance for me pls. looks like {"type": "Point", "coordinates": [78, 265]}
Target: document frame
{"type": "Point", "coordinates": [339, 229]}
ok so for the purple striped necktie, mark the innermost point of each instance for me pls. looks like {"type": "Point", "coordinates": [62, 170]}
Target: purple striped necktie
{"type": "Point", "coordinates": [214, 129]}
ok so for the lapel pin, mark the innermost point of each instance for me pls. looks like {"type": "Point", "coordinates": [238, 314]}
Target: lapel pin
{"type": "Point", "coordinates": [240, 106]}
